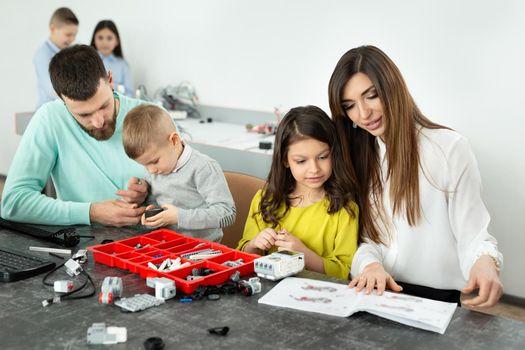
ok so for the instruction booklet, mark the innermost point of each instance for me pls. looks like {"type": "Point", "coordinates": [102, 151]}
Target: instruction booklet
{"type": "Point", "coordinates": [338, 300]}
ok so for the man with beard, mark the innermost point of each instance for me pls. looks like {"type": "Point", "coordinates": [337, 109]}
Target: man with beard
{"type": "Point", "coordinates": [77, 140]}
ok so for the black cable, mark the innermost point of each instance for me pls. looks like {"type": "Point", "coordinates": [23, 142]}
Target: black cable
{"type": "Point", "coordinates": [69, 295]}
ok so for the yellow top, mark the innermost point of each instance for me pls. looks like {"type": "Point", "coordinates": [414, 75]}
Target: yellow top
{"type": "Point", "coordinates": [331, 236]}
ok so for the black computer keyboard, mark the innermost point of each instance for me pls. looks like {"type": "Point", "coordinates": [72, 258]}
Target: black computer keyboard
{"type": "Point", "coordinates": [16, 266]}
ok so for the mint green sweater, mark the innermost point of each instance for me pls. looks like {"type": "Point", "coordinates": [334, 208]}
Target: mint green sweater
{"type": "Point", "coordinates": [83, 169]}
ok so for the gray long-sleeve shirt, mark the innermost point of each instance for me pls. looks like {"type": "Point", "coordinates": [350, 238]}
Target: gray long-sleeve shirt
{"type": "Point", "coordinates": [200, 191]}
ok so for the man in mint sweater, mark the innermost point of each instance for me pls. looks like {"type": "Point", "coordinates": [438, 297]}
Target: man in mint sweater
{"type": "Point", "coordinates": [77, 140]}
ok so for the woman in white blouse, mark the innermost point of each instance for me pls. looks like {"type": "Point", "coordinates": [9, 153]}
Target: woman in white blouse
{"type": "Point", "coordinates": [420, 190]}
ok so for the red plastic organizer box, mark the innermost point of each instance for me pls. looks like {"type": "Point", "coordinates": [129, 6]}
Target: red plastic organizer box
{"type": "Point", "coordinates": [159, 245]}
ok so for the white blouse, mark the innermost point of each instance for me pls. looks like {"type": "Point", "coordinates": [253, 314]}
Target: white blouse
{"type": "Point", "coordinates": [452, 232]}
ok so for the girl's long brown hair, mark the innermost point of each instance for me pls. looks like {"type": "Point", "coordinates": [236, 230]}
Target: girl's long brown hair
{"type": "Point", "coordinates": [298, 124]}
{"type": "Point", "coordinates": [402, 117]}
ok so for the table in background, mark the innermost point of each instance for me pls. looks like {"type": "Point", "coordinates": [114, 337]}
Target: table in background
{"type": "Point", "coordinates": [26, 324]}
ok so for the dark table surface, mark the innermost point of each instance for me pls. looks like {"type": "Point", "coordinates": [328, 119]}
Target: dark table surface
{"type": "Point", "coordinates": [26, 324]}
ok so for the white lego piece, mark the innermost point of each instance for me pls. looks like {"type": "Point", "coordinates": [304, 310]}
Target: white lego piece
{"type": "Point", "coordinates": [73, 268]}
{"type": "Point", "coordinates": [279, 264]}
{"type": "Point", "coordinates": [63, 286]}
{"type": "Point", "coordinates": [98, 333]}
{"type": "Point", "coordinates": [164, 287]}
{"type": "Point", "coordinates": [111, 288]}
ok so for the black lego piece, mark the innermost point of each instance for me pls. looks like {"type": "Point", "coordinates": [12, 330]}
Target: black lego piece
{"type": "Point", "coordinates": [153, 211]}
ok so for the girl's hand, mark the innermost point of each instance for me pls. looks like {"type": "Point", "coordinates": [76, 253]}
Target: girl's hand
{"type": "Point", "coordinates": [287, 241]}
{"type": "Point", "coordinates": [169, 216]}
{"type": "Point", "coordinates": [263, 241]}
{"type": "Point", "coordinates": [374, 276]}
{"type": "Point", "coordinates": [484, 275]}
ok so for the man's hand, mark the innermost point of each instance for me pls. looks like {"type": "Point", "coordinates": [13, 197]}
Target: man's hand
{"type": "Point", "coordinates": [115, 213]}
{"type": "Point", "coordinates": [485, 277]}
{"type": "Point", "coordinates": [136, 193]}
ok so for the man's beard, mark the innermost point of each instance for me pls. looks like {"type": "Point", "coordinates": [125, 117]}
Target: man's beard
{"type": "Point", "coordinates": [102, 135]}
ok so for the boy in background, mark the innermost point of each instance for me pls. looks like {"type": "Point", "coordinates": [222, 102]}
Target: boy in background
{"type": "Point", "coordinates": [63, 28]}
{"type": "Point", "coordinates": [189, 185]}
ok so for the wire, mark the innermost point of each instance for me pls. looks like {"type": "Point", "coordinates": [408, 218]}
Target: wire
{"type": "Point", "coordinates": [69, 295]}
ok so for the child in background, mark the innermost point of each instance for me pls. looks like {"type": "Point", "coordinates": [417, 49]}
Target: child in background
{"type": "Point", "coordinates": [63, 28]}
{"type": "Point", "coordinates": [106, 40]}
{"type": "Point", "coordinates": [307, 204]}
{"type": "Point", "coordinates": [189, 185]}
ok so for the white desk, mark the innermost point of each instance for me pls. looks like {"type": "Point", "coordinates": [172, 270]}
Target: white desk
{"type": "Point", "coordinates": [230, 144]}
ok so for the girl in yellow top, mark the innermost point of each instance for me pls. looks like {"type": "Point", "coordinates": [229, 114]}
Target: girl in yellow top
{"type": "Point", "coordinates": [307, 204]}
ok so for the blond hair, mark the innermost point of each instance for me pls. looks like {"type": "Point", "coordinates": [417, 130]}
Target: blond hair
{"type": "Point", "coordinates": [145, 125]}
{"type": "Point", "coordinates": [63, 16]}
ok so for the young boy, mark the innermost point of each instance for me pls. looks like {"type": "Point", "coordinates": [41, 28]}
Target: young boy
{"type": "Point", "coordinates": [63, 28]}
{"type": "Point", "coordinates": [189, 185]}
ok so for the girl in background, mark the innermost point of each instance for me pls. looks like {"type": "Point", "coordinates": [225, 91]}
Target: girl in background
{"type": "Point", "coordinates": [425, 222]}
{"type": "Point", "coordinates": [307, 204]}
{"type": "Point", "coordinates": [106, 40]}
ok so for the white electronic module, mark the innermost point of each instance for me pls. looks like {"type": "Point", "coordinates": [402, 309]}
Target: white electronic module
{"type": "Point", "coordinates": [279, 265]}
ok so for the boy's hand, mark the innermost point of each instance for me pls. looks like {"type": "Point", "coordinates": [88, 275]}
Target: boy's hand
{"type": "Point", "coordinates": [263, 241]}
{"type": "Point", "coordinates": [115, 213]}
{"type": "Point", "coordinates": [170, 216]}
{"type": "Point", "coordinates": [136, 193]}
{"type": "Point", "coordinates": [374, 276]}
{"type": "Point", "coordinates": [287, 241]}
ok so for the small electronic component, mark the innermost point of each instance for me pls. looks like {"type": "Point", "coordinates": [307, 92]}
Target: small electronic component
{"type": "Point", "coordinates": [73, 268]}
{"type": "Point", "coordinates": [251, 286]}
{"type": "Point", "coordinates": [111, 289]}
{"type": "Point", "coordinates": [80, 256]}
{"type": "Point", "coordinates": [63, 286]}
{"type": "Point", "coordinates": [98, 333]}
{"type": "Point", "coordinates": [153, 211]}
{"type": "Point", "coordinates": [279, 264]}
{"type": "Point", "coordinates": [139, 302]}
{"type": "Point", "coordinates": [164, 287]}
{"type": "Point", "coordinates": [265, 145]}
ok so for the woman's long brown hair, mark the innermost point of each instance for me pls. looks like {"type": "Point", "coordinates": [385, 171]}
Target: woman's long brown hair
{"type": "Point", "coordinates": [302, 123]}
{"type": "Point", "coordinates": [402, 117]}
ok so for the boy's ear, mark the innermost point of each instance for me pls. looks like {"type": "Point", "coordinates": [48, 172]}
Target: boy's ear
{"type": "Point", "coordinates": [174, 138]}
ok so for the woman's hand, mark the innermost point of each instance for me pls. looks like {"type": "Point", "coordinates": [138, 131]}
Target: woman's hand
{"type": "Point", "coordinates": [169, 216]}
{"type": "Point", "coordinates": [263, 241]}
{"type": "Point", "coordinates": [287, 241]}
{"type": "Point", "coordinates": [485, 277]}
{"type": "Point", "coordinates": [374, 276]}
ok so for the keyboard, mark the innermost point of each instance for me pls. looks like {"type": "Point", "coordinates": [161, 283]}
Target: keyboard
{"type": "Point", "coordinates": [16, 265]}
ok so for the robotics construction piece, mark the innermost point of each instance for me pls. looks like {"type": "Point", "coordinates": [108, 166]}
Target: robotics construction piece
{"type": "Point", "coordinates": [98, 333]}
{"type": "Point", "coordinates": [164, 287]}
{"type": "Point", "coordinates": [111, 289]}
{"type": "Point", "coordinates": [279, 265]}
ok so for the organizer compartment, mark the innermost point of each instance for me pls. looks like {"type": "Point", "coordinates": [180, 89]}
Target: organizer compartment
{"type": "Point", "coordinates": [161, 244]}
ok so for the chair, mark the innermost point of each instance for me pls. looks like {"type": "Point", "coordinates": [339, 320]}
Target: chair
{"type": "Point", "coordinates": [243, 187]}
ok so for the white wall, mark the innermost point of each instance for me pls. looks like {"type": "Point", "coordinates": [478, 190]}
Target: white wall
{"type": "Point", "coordinates": [463, 61]}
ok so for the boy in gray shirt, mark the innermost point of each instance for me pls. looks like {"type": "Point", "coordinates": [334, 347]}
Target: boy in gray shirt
{"type": "Point", "coordinates": [189, 185]}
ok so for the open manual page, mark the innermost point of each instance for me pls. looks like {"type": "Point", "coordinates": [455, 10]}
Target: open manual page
{"type": "Point", "coordinates": [338, 300]}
